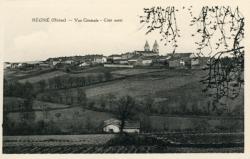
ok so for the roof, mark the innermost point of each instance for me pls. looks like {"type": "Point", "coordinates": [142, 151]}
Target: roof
{"type": "Point", "coordinates": [147, 52]}
{"type": "Point", "coordinates": [146, 58]}
{"type": "Point", "coordinates": [177, 56]}
{"type": "Point", "coordinates": [115, 55]}
{"type": "Point", "coordinates": [134, 57]}
{"type": "Point", "coordinates": [182, 54]}
{"type": "Point", "coordinates": [132, 124]}
{"type": "Point", "coordinates": [128, 124]}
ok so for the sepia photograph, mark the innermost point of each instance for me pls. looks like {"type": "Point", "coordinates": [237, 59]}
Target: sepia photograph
{"type": "Point", "coordinates": [123, 78]}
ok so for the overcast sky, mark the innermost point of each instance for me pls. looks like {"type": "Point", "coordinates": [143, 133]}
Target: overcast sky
{"type": "Point", "coordinates": [25, 40]}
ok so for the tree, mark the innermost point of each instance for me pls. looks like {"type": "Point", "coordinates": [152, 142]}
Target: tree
{"type": "Point", "coordinates": [149, 101]}
{"type": "Point", "coordinates": [42, 85]}
{"type": "Point", "coordinates": [124, 110]}
{"type": "Point", "coordinates": [162, 20]}
{"type": "Point", "coordinates": [81, 97]}
{"type": "Point", "coordinates": [226, 64]}
{"type": "Point", "coordinates": [111, 100]}
{"type": "Point", "coordinates": [89, 124]}
{"type": "Point", "coordinates": [220, 30]}
{"type": "Point", "coordinates": [102, 103]}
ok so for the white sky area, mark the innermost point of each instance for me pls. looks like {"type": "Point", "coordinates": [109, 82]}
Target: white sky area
{"type": "Point", "coordinates": [25, 40]}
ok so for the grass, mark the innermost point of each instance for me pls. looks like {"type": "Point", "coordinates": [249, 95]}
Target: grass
{"type": "Point", "coordinates": [139, 85]}
{"type": "Point", "coordinates": [44, 76]}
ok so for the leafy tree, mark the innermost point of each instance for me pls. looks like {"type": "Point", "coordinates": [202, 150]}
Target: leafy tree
{"type": "Point", "coordinates": [102, 103]}
{"type": "Point", "coordinates": [81, 97]}
{"type": "Point", "coordinates": [149, 101]}
{"type": "Point", "coordinates": [42, 85]}
{"type": "Point", "coordinates": [111, 99]}
{"type": "Point", "coordinates": [89, 125]}
{"type": "Point", "coordinates": [124, 110]}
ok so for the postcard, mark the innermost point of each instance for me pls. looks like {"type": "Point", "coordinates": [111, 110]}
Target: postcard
{"type": "Point", "coordinates": [124, 79]}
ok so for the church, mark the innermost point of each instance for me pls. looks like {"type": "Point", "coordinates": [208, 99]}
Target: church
{"type": "Point", "coordinates": [147, 51]}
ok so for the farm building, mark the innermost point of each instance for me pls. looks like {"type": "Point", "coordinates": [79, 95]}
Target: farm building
{"type": "Point", "coordinates": [113, 126]}
{"type": "Point", "coordinates": [180, 60]}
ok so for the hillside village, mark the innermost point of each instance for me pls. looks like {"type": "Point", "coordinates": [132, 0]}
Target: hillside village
{"type": "Point", "coordinates": [96, 82]}
{"type": "Point", "coordinates": [139, 58]}
{"type": "Point", "coordinates": [86, 95]}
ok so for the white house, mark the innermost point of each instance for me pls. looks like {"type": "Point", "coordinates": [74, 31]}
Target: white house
{"type": "Point", "coordinates": [68, 62]}
{"type": "Point", "coordinates": [100, 59]}
{"type": "Point", "coordinates": [7, 65]}
{"type": "Point", "coordinates": [146, 62]}
{"type": "Point", "coordinates": [84, 64]}
{"type": "Point", "coordinates": [113, 126]}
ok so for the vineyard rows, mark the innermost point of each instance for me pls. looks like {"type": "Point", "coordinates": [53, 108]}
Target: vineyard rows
{"type": "Point", "coordinates": [80, 149]}
{"type": "Point", "coordinates": [113, 149]}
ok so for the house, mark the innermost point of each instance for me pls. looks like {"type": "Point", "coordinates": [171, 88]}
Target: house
{"type": "Point", "coordinates": [134, 59]}
{"type": "Point", "coordinates": [15, 65]}
{"type": "Point", "coordinates": [99, 59]}
{"type": "Point", "coordinates": [53, 62]}
{"type": "Point", "coordinates": [121, 61]}
{"type": "Point", "coordinates": [7, 65]}
{"type": "Point", "coordinates": [44, 64]}
{"type": "Point", "coordinates": [113, 126]}
{"type": "Point", "coordinates": [127, 55]}
{"type": "Point", "coordinates": [180, 60]}
{"type": "Point", "coordinates": [144, 61]}
{"type": "Point", "coordinates": [69, 61]}
{"type": "Point", "coordinates": [84, 64]}
{"type": "Point", "coordinates": [115, 57]}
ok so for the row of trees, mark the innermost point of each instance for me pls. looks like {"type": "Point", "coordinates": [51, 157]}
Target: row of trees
{"type": "Point", "coordinates": [70, 82]}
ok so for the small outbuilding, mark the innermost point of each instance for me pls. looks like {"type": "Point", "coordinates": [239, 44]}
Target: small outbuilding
{"type": "Point", "coordinates": [113, 126]}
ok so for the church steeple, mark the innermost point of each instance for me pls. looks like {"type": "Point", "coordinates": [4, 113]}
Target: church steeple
{"type": "Point", "coordinates": [146, 47]}
{"type": "Point", "coordinates": [155, 47]}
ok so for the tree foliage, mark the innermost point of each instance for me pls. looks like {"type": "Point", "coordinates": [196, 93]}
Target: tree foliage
{"type": "Point", "coordinates": [164, 21]}
{"type": "Point", "coordinates": [125, 109]}
{"type": "Point", "coordinates": [220, 32]}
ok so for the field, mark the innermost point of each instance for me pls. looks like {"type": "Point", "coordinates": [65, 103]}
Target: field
{"type": "Point", "coordinates": [141, 84]}
{"type": "Point", "coordinates": [44, 76]}
{"type": "Point", "coordinates": [181, 117]}
{"type": "Point", "coordinates": [168, 88]}
{"type": "Point", "coordinates": [56, 140]}
{"type": "Point", "coordinates": [168, 143]}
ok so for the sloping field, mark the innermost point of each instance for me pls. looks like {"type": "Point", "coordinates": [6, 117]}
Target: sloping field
{"type": "Point", "coordinates": [142, 85]}
{"type": "Point", "coordinates": [44, 76]}
{"type": "Point", "coordinates": [12, 103]}
{"type": "Point", "coordinates": [133, 71]}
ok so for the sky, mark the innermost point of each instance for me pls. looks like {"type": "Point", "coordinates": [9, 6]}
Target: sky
{"type": "Point", "coordinates": [25, 40]}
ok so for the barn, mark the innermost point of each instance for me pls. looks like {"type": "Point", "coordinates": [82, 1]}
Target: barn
{"type": "Point", "coordinates": [113, 126]}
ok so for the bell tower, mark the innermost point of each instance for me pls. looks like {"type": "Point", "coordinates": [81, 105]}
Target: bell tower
{"type": "Point", "coordinates": [146, 47]}
{"type": "Point", "coordinates": [155, 47]}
